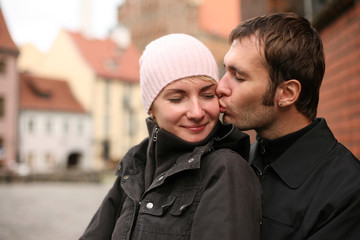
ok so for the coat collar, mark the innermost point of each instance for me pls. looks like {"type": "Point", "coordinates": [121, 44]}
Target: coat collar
{"type": "Point", "coordinates": [226, 136]}
{"type": "Point", "coordinates": [299, 160]}
{"type": "Point", "coordinates": [229, 136]}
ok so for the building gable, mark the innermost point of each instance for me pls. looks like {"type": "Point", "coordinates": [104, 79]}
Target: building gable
{"type": "Point", "coordinates": [38, 93]}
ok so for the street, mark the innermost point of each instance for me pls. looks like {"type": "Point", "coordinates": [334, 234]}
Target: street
{"type": "Point", "coordinates": [44, 211]}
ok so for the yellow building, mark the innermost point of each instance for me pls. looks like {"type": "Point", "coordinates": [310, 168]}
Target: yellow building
{"type": "Point", "coordinates": [104, 77]}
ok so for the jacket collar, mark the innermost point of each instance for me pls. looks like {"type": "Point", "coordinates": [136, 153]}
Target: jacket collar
{"type": "Point", "coordinates": [165, 149]}
{"type": "Point", "coordinates": [229, 136]}
{"type": "Point", "coordinates": [299, 160]}
{"type": "Point", "coordinates": [184, 155]}
{"type": "Point", "coordinates": [226, 136]}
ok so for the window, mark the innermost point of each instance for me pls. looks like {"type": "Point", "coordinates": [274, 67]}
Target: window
{"type": "Point", "coordinates": [106, 149]}
{"type": "Point", "coordinates": [111, 64]}
{"type": "Point", "coordinates": [2, 107]}
{"type": "Point", "coordinates": [80, 127]}
{"type": "Point", "coordinates": [49, 126]}
{"type": "Point", "coordinates": [30, 159]}
{"type": "Point", "coordinates": [2, 150]}
{"type": "Point", "coordinates": [132, 124]}
{"type": "Point", "coordinates": [129, 109]}
{"type": "Point", "coordinates": [2, 66]}
{"type": "Point", "coordinates": [106, 125]}
{"type": "Point", "coordinates": [31, 125]}
{"type": "Point", "coordinates": [107, 92]}
{"type": "Point", "coordinates": [49, 159]}
{"type": "Point", "coordinates": [66, 126]}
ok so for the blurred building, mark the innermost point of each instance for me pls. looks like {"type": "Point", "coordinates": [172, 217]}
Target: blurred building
{"type": "Point", "coordinates": [30, 58]}
{"type": "Point", "coordinates": [55, 131]}
{"type": "Point", "coordinates": [8, 98]}
{"type": "Point", "coordinates": [208, 20]}
{"type": "Point", "coordinates": [104, 77]}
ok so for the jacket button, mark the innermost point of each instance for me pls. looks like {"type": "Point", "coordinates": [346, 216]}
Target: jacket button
{"type": "Point", "coordinates": [149, 205]}
{"type": "Point", "coordinates": [160, 178]}
{"type": "Point", "coordinates": [191, 160]}
{"type": "Point", "coordinates": [126, 177]}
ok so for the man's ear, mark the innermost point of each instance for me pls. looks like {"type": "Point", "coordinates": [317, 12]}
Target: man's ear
{"type": "Point", "coordinates": [288, 93]}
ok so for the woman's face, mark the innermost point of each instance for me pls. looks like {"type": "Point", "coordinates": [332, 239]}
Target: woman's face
{"type": "Point", "coordinates": [188, 108]}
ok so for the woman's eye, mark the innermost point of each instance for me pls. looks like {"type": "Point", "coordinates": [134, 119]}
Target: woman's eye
{"type": "Point", "coordinates": [175, 100]}
{"type": "Point", "coordinates": [210, 95]}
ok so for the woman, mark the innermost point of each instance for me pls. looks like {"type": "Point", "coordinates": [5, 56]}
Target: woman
{"type": "Point", "coordinates": [187, 179]}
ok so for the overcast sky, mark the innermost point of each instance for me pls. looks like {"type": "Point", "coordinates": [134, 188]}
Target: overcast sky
{"type": "Point", "coordinates": [39, 21]}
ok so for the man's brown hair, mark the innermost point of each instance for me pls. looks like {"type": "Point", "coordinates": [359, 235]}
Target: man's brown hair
{"type": "Point", "coordinates": [292, 49]}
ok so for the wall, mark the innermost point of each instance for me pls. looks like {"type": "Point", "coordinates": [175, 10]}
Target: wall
{"type": "Point", "coordinates": [65, 62]}
{"type": "Point", "coordinates": [45, 149]}
{"type": "Point", "coordinates": [8, 123]}
{"type": "Point", "coordinates": [340, 92]}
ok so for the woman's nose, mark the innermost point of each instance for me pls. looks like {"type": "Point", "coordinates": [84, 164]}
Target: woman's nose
{"type": "Point", "coordinates": [196, 111]}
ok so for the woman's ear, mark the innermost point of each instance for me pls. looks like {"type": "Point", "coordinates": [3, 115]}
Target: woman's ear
{"type": "Point", "coordinates": [151, 114]}
{"type": "Point", "coordinates": [288, 93]}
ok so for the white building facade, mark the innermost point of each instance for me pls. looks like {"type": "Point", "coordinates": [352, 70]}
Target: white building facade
{"type": "Point", "coordinates": [51, 141]}
{"type": "Point", "coordinates": [55, 132]}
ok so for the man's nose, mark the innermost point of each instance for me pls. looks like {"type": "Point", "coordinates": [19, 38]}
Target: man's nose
{"type": "Point", "coordinates": [222, 88]}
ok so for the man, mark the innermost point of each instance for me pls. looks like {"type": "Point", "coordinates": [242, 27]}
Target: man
{"type": "Point", "coordinates": [311, 183]}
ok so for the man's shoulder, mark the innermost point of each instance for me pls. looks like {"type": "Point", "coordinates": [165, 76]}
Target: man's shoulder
{"type": "Point", "coordinates": [341, 159]}
{"type": "Point", "coordinates": [339, 176]}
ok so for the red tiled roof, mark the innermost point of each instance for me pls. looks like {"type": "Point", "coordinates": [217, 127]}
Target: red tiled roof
{"type": "Point", "coordinates": [6, 42]}
{"type": "Point", "coordinates": [46, 94]}
{"type": "Point", "coordinates": [107, 60]}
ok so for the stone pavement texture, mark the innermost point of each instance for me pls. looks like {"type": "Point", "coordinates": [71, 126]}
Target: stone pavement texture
{"type": "Point", "coordinates": [48, 211]}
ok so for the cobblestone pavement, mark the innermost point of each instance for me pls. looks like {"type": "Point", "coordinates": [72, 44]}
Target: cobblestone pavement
{"type": "Point", "coordinates": [48, 211]}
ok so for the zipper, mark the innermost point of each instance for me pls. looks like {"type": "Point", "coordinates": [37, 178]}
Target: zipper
{"type": "Point", "coordinates": [155, 138]}
{"type": "Point", "coordinates": [261, 172]}
{"type": "Point", "coordinates": [155, 134]}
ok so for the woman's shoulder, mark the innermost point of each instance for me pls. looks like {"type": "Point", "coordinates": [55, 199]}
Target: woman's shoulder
{"type": "Point", "coordinates": [225, 157]}
{"type": "Point", "coordinates": [135, 154]}
{"type": "Point", "coordinates": [227, 164]}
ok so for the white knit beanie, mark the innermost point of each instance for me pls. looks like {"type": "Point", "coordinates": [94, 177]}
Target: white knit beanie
{"type": "Point", "coordinates": [173, 57]}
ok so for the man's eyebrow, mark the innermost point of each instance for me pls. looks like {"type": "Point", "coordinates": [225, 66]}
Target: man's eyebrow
{"type": "Point", "coordinates": [232, 68]}
{"type": "Point", "coordinates": [236, 70]}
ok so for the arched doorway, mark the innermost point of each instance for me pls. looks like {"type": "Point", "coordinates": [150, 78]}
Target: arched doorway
{"type": "Point", "coordinates": [73, 160]}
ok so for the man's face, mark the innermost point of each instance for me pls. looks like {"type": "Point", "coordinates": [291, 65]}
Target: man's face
{"type": "Point", "coordinates": [242, 88]}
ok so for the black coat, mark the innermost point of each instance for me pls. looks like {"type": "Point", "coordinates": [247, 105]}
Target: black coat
{"type": "Point", "coordinates": [210, 192]}
{"type": "Point", "coordinates": [312, 191]}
